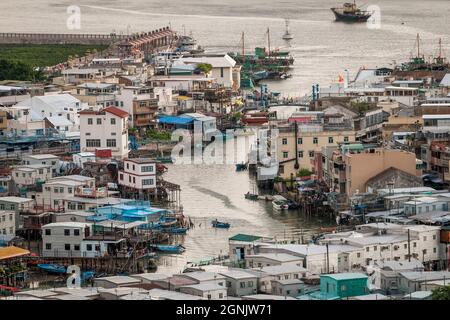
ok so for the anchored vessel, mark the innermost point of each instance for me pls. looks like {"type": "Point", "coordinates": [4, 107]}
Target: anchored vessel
{"type": "Point", "coordinates": [349, 12]}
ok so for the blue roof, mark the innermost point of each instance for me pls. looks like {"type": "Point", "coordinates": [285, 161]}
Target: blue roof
{"type": "Point", "coordinates": [175, 120]}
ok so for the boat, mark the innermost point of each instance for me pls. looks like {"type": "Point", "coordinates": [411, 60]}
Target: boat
{"type": "Point", "coordinates": [241, 166]}
{"type": "Point", "coordinates": [220, 225]}
{"type": "Point", "coordinates": [164, 159]}
{"type": "Point", "coordinates": [251, 196]}
{"type": "Point", "coordinates": [293, 205]}
{"type": "Point", "coordinates": [175, 230]}
{"type": "Point", "coordinates": [287, 35]}
{"type": "Point", "coordinates": [280, 203]}
{"type": "Point", "coordinates": [349, 12]}
{"type": "Point", "coordinates": [168, 248]}
{"type": "Point", "coordinates": [52, 268]}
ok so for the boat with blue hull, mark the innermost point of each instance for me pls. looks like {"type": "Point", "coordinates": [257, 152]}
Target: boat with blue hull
{"type": "Point", "coordinates": [175, 230]}
{"type": "Point", "coordinates": [241, 166]}
{"type": "Point", "coordinates": [168, 248]}
{"type": "Point", "coordinates": [220, 225]}
{"type": "Point", "coordinates": [52, 268]}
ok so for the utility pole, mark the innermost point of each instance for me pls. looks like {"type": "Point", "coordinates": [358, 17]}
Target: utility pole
{"type": "Point", "coordinates": [409, 246]}
{"type": "Point", "coordinates": [328, 259]}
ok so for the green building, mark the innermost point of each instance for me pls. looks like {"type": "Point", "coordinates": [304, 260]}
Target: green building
{"type": "Point", "coordinates": [342, 285]}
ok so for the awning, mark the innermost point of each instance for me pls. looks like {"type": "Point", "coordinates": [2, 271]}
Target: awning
{"type": "Point", "coordinates": [12, 252]}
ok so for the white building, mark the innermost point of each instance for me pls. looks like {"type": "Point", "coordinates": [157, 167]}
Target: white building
{"type": "Point", "coordinates": [287, 288]}
{"type": "Point", "coordinates": [240, 283]}
{"type": "Point", "coordinates": [80, 158]}
{"type": "Point", "coordinates": [7, 223]}
{"type": "Point", "coordinates": [271, 259]}
{"type": "Point", "coordinates": [138, 173]}
{"type": "Point", "coordinates": [210, 291]}
{"type": "Point", "coordinates": [62, 105]}
{"type": "Point", "coordinates": [107, 128]}
{"type": "Point", "coordinates": [73, 239]}
{"type": "Point", "coordinates": [43, 159]}
{"type": "Point", "coordinates": [27, 175]}
{"type": "Point", "coordinates": [222, 67]}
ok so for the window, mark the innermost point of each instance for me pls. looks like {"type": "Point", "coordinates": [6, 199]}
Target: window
{"type": "Point", "coordinates": [89, 247]}
{"type": "Point", "coordinates": [367, 249]}
{"type": "Point", "coordinates": [358, 255]}
{"type": "Point", "coordinates": [345, 139]}
{"type": "Point", "coordinates": [434, 237]}
{"type": "Point", "coordinates": [300, 154]}
{"type": "Point", "coordinates": [295, 276]}
{"type": "Point", "coordinates": [221, 72]}
{"type": "Point", "coordinates": [93, 143]}
{"type": "Point", "coordinates": [48, 246]}
{"type": "Point", "coordinates": [311, 154]}
{"type": "Point", "coordinates": [209, 297]}
{"type": "Point", "coordinates": [99, 121]}
{"type": "Point", "coordinates": [424, 238]}
{"type": "Point", "coordinates": [76, 232]}
{"type": "Point", "coordinates": [147, 182]}
{"type": "Point", "coordinates": [415, 244]}
{"type": "Point", "coordinates": [147, 169]}
{"type": "Point", "coordinates": [97, 247]}
{"type": "Point", "coordinates": [315, 140]}
{"type": "Point", "coordinates": [113, 121]}
{"type": "Point", "coordinates": [10, 217]}
{"type": "Point", "coordinates": [76, 247]}
{"type": "Point", "coordinates": [134, 179]}
{"type": "Point", "coordinates": [330, 139]}
{"type": "Point", "coordinates": [69, 190]}
{"type": "Point", "coordinates": [111, 143]}
{"type": "Point", "coordinates": [61, 190]}
{"type": "Point", "coordinates": [90, 121]}
{"type": "Point", "coordinates": [285, 154]}
{"type": "Point", "coordinates": [434, 250]}
{"type": "Point", "coordinates": [221, 294]}
{"type": "Point", "coordinates": [48, 232]}
{"type": "Point", "coordinates": [299, 140]}
{"type": "Point", "coordinates": [121, 176]}
{"type": "Point", "coordinates": [374, 248]}
{"type": "Point", "coordinates": [67, 232]}
{"type": "Point", "coordinates": [67, 247]}
{"type": "Point", "coordinates": [405, 246]}
{"type": "Point", "coordinates": [242, 284]}
{"type": "Point", "coordinates": [250, 284]}
{"type": "Point", "coordinates": [284, 141]}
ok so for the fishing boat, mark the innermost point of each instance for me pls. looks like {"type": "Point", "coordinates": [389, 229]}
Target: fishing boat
{"type": "Point", "coordinates": [164, 159]}
{"type": "Point", "coordinates": [220, 225]}
{"type": "Point", "coordinates": [280, 203]}
{"type": "Point", "coordinates": [287, 34]}
{"type": "Point", "coordinates": [52, 268]}
{"type": "Point", "coordinates": [168, 248]}
{"type": "Point", "coordinates": [349, 12]}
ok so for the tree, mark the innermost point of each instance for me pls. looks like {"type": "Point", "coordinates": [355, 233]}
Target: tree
{"type": "Point", "coordinates": [441, 293]}
{"type": "Point", "coordinates": [204, 67]}
{"type": "Point", "coordinates": [15, 70]}
{"type": "Point", "coordinates": [304, 173]}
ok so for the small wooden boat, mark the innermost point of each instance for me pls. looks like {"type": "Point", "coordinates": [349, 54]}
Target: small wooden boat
{"type": "Point", "coordinates": [52, 268]}
{"type": "Point", "coordinates": [251, 196]}
{"type": "Point", "coordinates": [220, 225]}
{"type": "Point", "coordinates": [327, 229]}
{"type": "Point", "coordinates": [168, 248]}
{"type": "Point", "coordinates": [175, 230]}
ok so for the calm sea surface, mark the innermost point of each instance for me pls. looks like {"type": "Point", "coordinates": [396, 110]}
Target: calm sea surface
{"type": "Point", "coordinates": [322, 49]}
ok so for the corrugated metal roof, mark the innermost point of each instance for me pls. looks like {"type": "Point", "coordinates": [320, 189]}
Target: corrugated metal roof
{"type": "Point", "coordinates": [175, 120]}
{"type": "Point", "coordinates": [445, 81]}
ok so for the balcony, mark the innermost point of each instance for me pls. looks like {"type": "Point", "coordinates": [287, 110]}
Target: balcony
{"type": "Point", "coordinates": [91, 192]}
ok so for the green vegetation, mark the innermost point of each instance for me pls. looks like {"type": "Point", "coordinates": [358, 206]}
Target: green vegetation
{"type": "Point", "coordinates": [14, 70]}
{"type": "Point", "coordinates": [158, 135]}
{"type": "Point", "coordinates": [45, 55]}
{"type": "Point", "coordinates": [204, 67]}
{"type": "Point", "coordinates": [360, 107]}
{"type": "Point", "coordinates": [23, 61]}
{"type": "Point", "coordinates": [441, 293]}
{"type": "Point", "coordinates": [304, 173]}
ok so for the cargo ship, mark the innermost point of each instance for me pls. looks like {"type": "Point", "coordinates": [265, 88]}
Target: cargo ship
{"type": "Point", "coordinates": [349, 12]}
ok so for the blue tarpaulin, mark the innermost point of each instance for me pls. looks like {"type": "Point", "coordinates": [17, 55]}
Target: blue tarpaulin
{"type": "Point", "coordinates": [175, 120]}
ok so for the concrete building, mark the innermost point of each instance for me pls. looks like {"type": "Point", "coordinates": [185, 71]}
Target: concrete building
{"type": "Point", "coordinates": [138, 173]}
{"type": "Point", "coordinates": [271, 259]}
{"type": "Point", "coordinates": [43, 159]}
{"type": "Point", "coordinates": [29, 175]}
{"type": "Point", "coordinates": [209, 291]}
{"type": "Point", "coordinates": [107, 128]}
{"type": "Point", "coordinates": [7, 223]}
{"type": "Point", "coordinates": [290, 288]}
{"type": "Point", "coordinates": [240, 283]}
{"type": "Point", "coordinates": [300, 149]}
{"type": "Point", "coordinates": [80, 158]}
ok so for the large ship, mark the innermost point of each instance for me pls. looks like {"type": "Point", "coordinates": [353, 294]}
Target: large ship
{"type": "Point", "coordinates": [349, 12]}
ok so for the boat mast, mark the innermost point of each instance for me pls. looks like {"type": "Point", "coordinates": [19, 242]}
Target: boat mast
{"type": "Point", "coordinates": [268, 39]}
{"type": "Point", "coordinates": [418, 46]}
{"type": "Point", "coordinates": [440, 48]}
{"type": "Point", "coordinates": [243, 47]}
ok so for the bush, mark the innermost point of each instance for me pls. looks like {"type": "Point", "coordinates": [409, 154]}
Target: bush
{"type": "Point", "coordinates": [204, 67]}
{"type": "Point", "coordinates": [441, 293]}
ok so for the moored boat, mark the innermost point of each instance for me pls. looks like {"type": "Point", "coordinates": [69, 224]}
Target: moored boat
{"type": "Point", "coordinates": [349, 12]}
{"type": "Point", "coordinates": [52, 268]}
{"type": "Point", "coordinates": [280, 203]}
{"type": "Point", "coordinates": [241, 166]}
{"type": "Point", "coordinates": [168, 248]}
{"type": "Point", "coordinates": [220, 225]}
